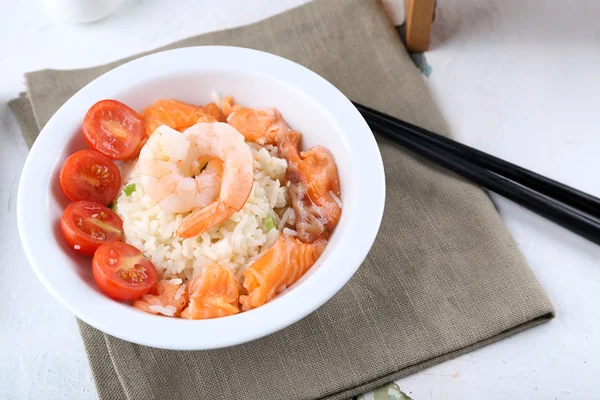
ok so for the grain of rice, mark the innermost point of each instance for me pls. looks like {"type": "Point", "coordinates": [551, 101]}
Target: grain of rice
{"type": "Point", "coordinates": [271, 238]}
{"type": "Point", "coordinates": [274, 194]}
{"type": "Point", "coordinates": [336, 199]}
{"type": "Point", "coordinates": [292, 219]}
{"type": "Point", "coordinates": [284, 218]}
{"type": "Point", "coordinates": [179, 292]}
{"type": "Point", "coordinates": [290, 232]}
{"type": "Point", "coordinates": [169, 311]}
{"type": "Point", "coordinates": [216, 98]}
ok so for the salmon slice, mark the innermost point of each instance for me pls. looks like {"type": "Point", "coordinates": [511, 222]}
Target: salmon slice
{"type": "Point", "coordinates": [212, 109]}
{"type": "Point", "coordinates": [177, 115]}
{"type": "Point", "coordinates": [227, 106]}
{"type": "Point", "coordinates": [165, 297]}
{"type": "Point", "coordinates": [289, 146]}
{"type": "Point", "coordinates": [314, 187]}
{"type": "Point", "coordinates": [214, 293]}
{"type": "Point", "coordinates": [278, 268]}
{"type": "Point", "coordinates": [260, 125]}
{"type": "Point", "coordinates": [320, 173]}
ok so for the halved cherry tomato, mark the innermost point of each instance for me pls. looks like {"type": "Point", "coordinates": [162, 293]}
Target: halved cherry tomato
{"type": "Point", "coordinates": [113, 129]}
{"type": "Point", "coordinates": [86, 225]}
{"type": "Point", "coordinates": [122, 272]}
{"type": "Point", "coordinates": [89, 175]}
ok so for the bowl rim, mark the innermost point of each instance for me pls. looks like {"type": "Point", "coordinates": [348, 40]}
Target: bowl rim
{"type": "Point", "coordinates": [147, 329]}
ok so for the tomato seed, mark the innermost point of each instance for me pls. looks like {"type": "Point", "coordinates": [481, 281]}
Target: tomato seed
{"type": "Point", "coordinates": [136, 274]}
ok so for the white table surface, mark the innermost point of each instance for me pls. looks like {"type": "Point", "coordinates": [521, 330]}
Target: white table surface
{"type": "Point", "coordinates": [517, 80]}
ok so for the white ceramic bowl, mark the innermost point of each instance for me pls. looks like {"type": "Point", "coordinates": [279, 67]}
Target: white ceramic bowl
{"type": "Point", "coordinates": [308, 103]}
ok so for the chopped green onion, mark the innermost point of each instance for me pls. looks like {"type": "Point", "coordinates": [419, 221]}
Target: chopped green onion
{"type": "Point", "coordinates": [269, 223]}
{"type": "Point", "coordinates": [129, 189]}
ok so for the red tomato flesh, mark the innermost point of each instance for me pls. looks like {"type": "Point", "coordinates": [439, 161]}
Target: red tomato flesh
{"type": "Point", "coordinates": [89, 175]}
{"type": "Point", "coordinates": [122, 272]}
{"type": "Point", "coordinates": [87, 225]}
{"type": "Point", "coordinates": [113, 129]}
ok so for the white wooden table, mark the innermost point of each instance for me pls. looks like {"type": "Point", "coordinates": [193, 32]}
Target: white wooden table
{"type": "Point", "coordinates": [516, 79]}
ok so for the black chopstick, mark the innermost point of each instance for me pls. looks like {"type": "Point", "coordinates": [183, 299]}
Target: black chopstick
{"type": "Point", "coordinates": [558, 191]}
{"type": "Point", "coordinates": [544, 204]}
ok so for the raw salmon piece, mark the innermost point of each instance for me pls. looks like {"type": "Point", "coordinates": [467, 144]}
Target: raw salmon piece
{"type": "Point", "coordinates": [214, 293]}
{"type": "Point", "coordinates": [212, 109]}
{"type": "Point", "coordinates": [227, 106]}
{"type": "Point", "coordinates": [260, 125]}
{"type": "Point", "coordinates": [314, 181]}
{"type": "Point", "coordinates": [289, 146]}
{"type": "Point", "coordinates": [278, 268]}
{"type": "Point", "coordinates": [174, 114]}
{"type": "Point", "coordinates": [172, 296]}
{"type": "Point", "coordinates": [322, 179]}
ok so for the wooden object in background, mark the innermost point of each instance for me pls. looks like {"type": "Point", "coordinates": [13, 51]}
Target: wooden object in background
{"type": "Point", "coordinates": [418, 17]}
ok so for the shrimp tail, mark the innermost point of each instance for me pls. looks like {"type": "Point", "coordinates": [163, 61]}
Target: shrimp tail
{"type": "Point", "coordinates": [204, 219]}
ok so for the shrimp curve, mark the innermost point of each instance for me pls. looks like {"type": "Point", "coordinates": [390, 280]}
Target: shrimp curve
{"type": "Point", "coordinates": [172, 174]}
{"type": "Point", "coordinates": [222, 142]}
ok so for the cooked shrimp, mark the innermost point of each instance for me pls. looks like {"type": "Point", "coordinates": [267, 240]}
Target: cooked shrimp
{"type": "Point", "coordinates": [278, 268]}
{"type": "Point", "coordinates": [171, 172]}
{"type": "Point", "coordinates": [166, 298]}
{"type": "Point", "coordinates": [213, 293]}
{"type": "Point", "coordinates": [314, 187]}
{"type": "Point", "coordinates": [260, 125]}
{"type": "Point", "coordinates": [220, 141]}
{"type": "Point", "coordinates": [178, 115]}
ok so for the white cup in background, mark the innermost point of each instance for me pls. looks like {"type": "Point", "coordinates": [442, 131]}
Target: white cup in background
{"type": "Point", "coordinates": [80, 11]}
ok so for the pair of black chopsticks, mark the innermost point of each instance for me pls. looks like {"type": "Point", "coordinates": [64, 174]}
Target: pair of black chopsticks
{"type": "Point", "coordinates": [568, 207]}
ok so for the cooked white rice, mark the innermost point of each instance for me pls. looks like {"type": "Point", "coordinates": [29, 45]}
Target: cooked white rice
{"type": "Point", "coordinates": [336, 199]}
{"type": "Point", "coordinates": [233, 243]}
{"type": "Point", "coordinates": [169, 311]}
{"type": "Point", "coordinates": [290, 232]}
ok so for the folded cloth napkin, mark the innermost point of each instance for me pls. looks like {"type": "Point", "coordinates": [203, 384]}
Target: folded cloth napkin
{"type": "Point", "coordinates": [443, 277]}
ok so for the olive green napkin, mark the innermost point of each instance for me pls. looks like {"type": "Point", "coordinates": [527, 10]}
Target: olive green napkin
{"type": "Point", "coordinates": [443, 278]}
